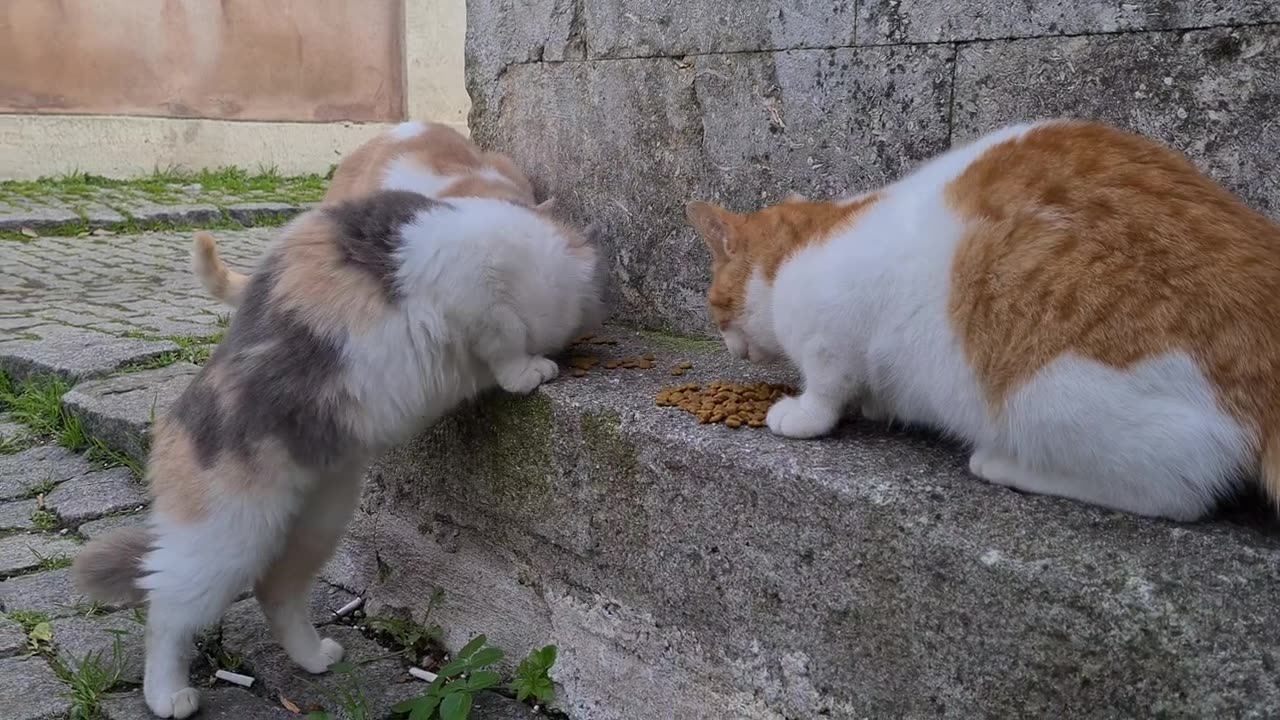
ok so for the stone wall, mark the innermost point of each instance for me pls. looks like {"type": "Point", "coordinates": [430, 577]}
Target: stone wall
{"type": "Point", "coordinates": [626, 109]}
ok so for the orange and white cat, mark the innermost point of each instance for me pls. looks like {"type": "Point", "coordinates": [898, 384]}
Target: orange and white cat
{"type": "Point", "coordinates": [368, 320]}
{"type": "Point", "coordinates": [1094, 316]}
{"type": "Point", "coordinates": [427, 158]}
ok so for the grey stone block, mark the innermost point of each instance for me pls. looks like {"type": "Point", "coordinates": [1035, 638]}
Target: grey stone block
{"type": "Point", "coordinates": [98, 528]}
{"type": "Point", "coordinates": [30, 691]}
{"type": "Point", "coordinates": [220, 703]}
{"type": "Point", "coordinates": [119, 410]}
{"type": "Point", "coordinates": [917, 21]}
{"type": "Point", "coordinates": [866, 575]}
{"type": "Point", "coordinates": [79, 637]}
{"type": "Point", "coordinates": [16, 514]}
{"type": "Point", "coordinates": [37, 217]}
{"type": "Point", "coordinates": [145, 211]}
{"type": "Point", "coordinates": [75, 354]}
{"type": "Point", "coordinates": [101, 216]}
{"type": "Point", "coordinates": [27, 552]}
{"type": "Point", "coordinates": [746, 129]}
{"type": "Point", "coordinates": [1201, 92]}
{"type": "Point", "coordinates": [52, 593]}
{"type": "Point", "coordinates": [95, 494]}
{"type": "Point", "coordinates": [671, 28]}
{"type": "Point", "coordinates": [35, 468]}
{"type": "Point", "coordinates": [13, 639]}
{"type": "Point", "coordinates": [253, 213]}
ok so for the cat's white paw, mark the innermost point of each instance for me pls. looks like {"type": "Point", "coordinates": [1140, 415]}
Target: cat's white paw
{"type": "Point", "coordinates": [872, 410]}
{"type": "Point", "coordinates": [329, 653]}
{"type": "Point", "coordinates": [995, 468]}
{"type": "Point", "coordinates": [181, 704]}
{"type": "Point", "coordinates": [792, 417]}
{"type": "Point", "coordinates": [523, 379]}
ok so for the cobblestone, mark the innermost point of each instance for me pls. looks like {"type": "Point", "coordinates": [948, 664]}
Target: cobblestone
{"type": "Point", "coordinates": [119, 410]}
{"type": "Point", "coordinates": [19, 553]}
{"type": "Point", "coordinates": [37, 468]}
{"type": "Point", "coordinates": [51, 592]}
{"type": "Point", "coordinates": [30, 691]}
{"type": "Point", "coordinates": [96, 494]}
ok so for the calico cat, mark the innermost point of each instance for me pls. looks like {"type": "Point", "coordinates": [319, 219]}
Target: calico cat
{"type": "Point", "coordinates": [368, 320]}
{"type": "Point", "coordinates": [427, 158]}
{"type": "Point", "coordinates": [1094, 316]}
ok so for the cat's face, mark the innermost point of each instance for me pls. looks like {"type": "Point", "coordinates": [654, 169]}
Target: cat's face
{"type": "Point", "coordinates": [742, 270]}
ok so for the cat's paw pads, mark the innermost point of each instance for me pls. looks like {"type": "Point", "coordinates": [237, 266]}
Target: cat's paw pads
{"type": "Point", "coordinates": [873, 411]}
{"type": "Point", "coordinates": [526, 378]}
{"type": "Point", "coordinates": [791, 417]}
{"type": "Point", "coordinates": [178, 705]}
{"type": "Point", "coordinates": [329, 653]}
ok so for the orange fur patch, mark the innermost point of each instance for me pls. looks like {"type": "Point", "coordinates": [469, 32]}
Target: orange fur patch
{"type": "Point", "coordinates": [1084, 239]}
{"type": "Point", "coordinates": [328, 295]}
{"type": "Point", "coordinates": [176, 480]}
{"type": "Point", "coordinates": [763, 240]}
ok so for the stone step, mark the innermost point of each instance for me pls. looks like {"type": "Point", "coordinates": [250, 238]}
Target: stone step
{"type": "Point", "coordinates": [697, 571]}
{"type": "Point", "coordinates": [686, 568]}
{"type": "Point", "coordinates": [119, 410]}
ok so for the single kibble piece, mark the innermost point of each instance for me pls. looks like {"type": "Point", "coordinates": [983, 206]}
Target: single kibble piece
{"type": "Point", "coordinates": [686, 365]}
{"type": "Point", "coordinates": [677, 371]}
{"type": "Point", "coordinates": [649, 356]}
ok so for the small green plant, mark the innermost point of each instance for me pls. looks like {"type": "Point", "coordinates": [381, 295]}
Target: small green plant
{"type": "Point", "coordinates": [103, 456]}
{"type": "Point", "coordinates": [71, 432]}
{"type": "Point", "coordinates": [89, 679]}
{"type": "Point", "coordinates": [50, 562]}
{"type": "Point", "coordinates": [139, 615]}
{"type": "Point", "coordinates": [28, 619]}
{"type": "Point", "coordinates": [532, 679]}
{"type": "Point", "coordinates": [40, 638]}
{"type": "Point", "coordinates": [90, 608]}
{"type": "Point", "coordinates": [44, 487]}
{"type": "Point", "coordinates": [36, 404]}
{"type": "Point", "coordinates": [348, 694]}
{"type": "Point", "coordinates": [413, 637]}
{"type": "Point", "coordinates": [449, 696]}
{"type": "Point", "coordinates": [44, 520]}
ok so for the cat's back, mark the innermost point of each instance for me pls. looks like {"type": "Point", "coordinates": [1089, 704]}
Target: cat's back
{"type": "Point", "coordinates": [1082, 240]}
{"type": "Point", "coordinates": [278, 391]}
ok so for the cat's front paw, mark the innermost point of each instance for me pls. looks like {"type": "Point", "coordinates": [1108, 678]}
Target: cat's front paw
{"type": "Point", "coordinates": [329, 652]}
{"type": "Point", "coordinates": [525, 377]}
{"type": "Point", "coordinates": [181, 704]}
{"type": "Point", "coordinates": [794, 418]}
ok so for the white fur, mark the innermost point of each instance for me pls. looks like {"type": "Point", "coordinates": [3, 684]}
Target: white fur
{"type": "Point", "coordinates": [864, 316]}
{"type": "Point", "coordinates": [407, 130]}
{"type": "Point", "coordinates": [488, 289]}
{"type": "Point", "coordinates": [406, 173]}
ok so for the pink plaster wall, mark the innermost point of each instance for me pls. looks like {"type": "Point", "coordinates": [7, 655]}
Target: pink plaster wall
{"type": "Point", "coordinates": [298, 60]}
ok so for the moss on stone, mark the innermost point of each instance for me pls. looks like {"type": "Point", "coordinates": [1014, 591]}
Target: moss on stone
{"type": "Point", "coordinates": [604, 444]}
{"type": "Point", "coordinates": [512, 437]}
{"type": "Point", "coordinates": [680, 343]}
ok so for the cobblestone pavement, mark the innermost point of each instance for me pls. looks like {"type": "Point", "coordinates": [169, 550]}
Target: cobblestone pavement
{"type": "Point", "coordinates": [110, 315]}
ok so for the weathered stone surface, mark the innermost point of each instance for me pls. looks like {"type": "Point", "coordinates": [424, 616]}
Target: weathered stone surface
{"type": "Point", "coordinates": [79, 637]}
{"type": "Point", "coordinates": [145, 211]}
{"type": "Point", "coordinates": [73, 353]}
{"type": "Point", "coordinates": [734, 573]}
{"type": "Point", "coordinates": [671, 28]}
{"type": "Point", "coordinates": [37, 218]}
{"type": "Point", "coordinates": [51, 592]}
{"type": "Point", "coordinates": [13, 639]}
{"type": "Point", "coordinates": [916, 21]}
{"type": "Point", "coordinates": [254, 213]}
{"type": "Point", "coordinates": [95, 494]}
{"type": "Point", "coordinates": [30, 691]}
{"type": "Point", "coordinates": [220, 703]}
{"type": "Point", "coordinates": [1201, 92]}
{"type": "Point", "coordinates": [27, 552]}
{"type": "Point", "coordinates": [98, 528]}
{"type": "Point", "coordinates": [11, 431]}
{"type": "Point", "coordinates": [119, 410]}
{"type": "Point", "coordinates": [16, 514]}
{"type": "Point", "coordinates": [745, 129]}
{"type": "Point", "coordinates": [37, 467]}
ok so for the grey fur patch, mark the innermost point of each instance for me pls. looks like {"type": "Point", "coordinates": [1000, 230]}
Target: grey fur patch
{"type": "Point", "coordinates": [108, 568]}
{"type": "Point", "coordinates": [369, 232]}
{"type": "Point", "coordinates": [282, 383]}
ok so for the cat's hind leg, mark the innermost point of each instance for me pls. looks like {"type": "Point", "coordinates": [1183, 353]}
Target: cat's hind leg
{"type": "Point", "coordinates": [1149, 439]}
{"type": "Point", "coordinates": [284, 589]}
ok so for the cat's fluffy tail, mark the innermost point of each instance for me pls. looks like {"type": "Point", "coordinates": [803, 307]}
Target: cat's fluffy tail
{"type": "Point", "coordinates": [108, 568]}
{"type": "Point", "coordinates": [220, 281]}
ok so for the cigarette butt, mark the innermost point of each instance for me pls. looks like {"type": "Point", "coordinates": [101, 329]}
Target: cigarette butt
{"type": "Point", "coordinates": [422, 674]}
{"type": "Point", "coordinates": [349, 608]}
{"type": "Point", "coordinates": [234, 678]}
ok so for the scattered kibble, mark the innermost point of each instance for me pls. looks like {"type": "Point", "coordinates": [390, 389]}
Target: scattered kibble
{"type": "Point", "coordinates": [583, 362]}
{"type": "Point", "coordinates": [733, 404]}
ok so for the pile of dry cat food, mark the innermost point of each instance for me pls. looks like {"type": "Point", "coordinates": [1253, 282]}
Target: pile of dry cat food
{"type": "Point", "coordinates": [581, 365]}
{"type": "Point", "coordinates": [733, 404]}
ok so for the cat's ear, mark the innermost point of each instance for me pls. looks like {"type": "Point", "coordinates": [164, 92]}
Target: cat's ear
{"type": "Point", "coordinates": [796, 198]}
{"type": "Point", "coordinates": [546, 206]}
{"type": "Point", "coordinates": [715, 225]}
